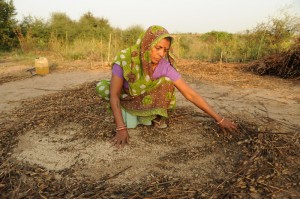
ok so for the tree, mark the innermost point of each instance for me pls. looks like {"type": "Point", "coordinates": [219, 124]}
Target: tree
{"type": "Point", "coordinates": [275, 36]}
{"type": "Point", "coordinates": [93, 27]}
{"type": "Point", "coordinates": [33, 33]}
{"type": "Point", "coordinates": [38, 27]}
{"type": "Point", "coordinates": [62, 27]}
{"type": "Point", "coordinates": [130, 35]}
{"type": "Point", "coordinates": [8, 38]}
{"type": "Point", "coordinates": [220, 42]}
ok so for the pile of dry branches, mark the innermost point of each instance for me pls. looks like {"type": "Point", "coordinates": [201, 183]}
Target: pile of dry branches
{"type": "Point", "coordinates": [284, 65]}
{"type": "Point", "coordinates": [267, 162]}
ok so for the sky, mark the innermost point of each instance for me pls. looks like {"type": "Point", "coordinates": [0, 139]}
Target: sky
{"type": "Point", "coordinates": [177, 16]}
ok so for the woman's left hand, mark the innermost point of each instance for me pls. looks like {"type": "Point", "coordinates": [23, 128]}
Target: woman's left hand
{"type": "Point", "coordinates": [121, 138]}
{"type": "Point", "coordinates": [228, 126]}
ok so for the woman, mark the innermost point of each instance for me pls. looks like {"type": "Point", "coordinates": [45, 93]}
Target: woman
{"type": "Point", "coordinates": [142, 86]}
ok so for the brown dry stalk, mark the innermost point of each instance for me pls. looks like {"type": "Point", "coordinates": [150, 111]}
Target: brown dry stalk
{"type": "Point", "coordinates": [244, 168]}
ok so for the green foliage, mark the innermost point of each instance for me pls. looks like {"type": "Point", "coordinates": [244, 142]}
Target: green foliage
{"type": "Point", "coordinates": [209, 46]}
{"type": "Point", "coordinates": [63, 27]}
{"type": "Point", "coordinates": [265, 39]}
{"type": "Point", "coordinates": [93, 38]}
{"type": "Point", "coordinates": [8, 38]}
{"type": "Point", "coordinates": [130, 35]}
{"type": "Point", "coordinates": [216, 37]}
{"type": "Point", "coordinates": [38, 28]}
{"type": "Point", "coordinates": [93, 27]}
{"type": "Point", "coordinates": [33, 33]}
{"type": "Point", "coordinates": [273, 37]}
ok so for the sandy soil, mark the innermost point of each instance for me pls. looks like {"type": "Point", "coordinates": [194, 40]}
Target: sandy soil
{"type": "Point", "coordinates": [14, 92]}
{"type": "Point", "coordinates": [180, 150]}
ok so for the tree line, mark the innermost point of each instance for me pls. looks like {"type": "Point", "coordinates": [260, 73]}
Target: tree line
{"type": "Point", "coordinates": [94, 38]}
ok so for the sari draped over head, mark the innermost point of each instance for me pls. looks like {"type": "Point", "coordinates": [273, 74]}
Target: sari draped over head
{"type": "Point", "coordinates": [145, 97]}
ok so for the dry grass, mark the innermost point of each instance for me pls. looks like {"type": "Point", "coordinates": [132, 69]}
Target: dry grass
{"type": "Point", "coordinates": [230, 74]}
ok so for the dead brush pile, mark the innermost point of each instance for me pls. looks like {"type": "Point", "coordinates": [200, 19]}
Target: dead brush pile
{"type": "Point", "coordinates": [284, 65]}
{"type": "Point", "coordinates": [267, 164]}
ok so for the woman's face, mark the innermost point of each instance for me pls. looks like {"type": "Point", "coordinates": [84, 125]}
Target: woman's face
{"type": "Point", "coordinates": [159, 51]}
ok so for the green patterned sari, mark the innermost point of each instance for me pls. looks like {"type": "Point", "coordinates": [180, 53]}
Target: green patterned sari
{"type": "Point", "coordinates": [146, 97]}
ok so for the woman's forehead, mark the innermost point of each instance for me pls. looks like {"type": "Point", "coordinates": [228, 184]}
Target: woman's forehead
{"type": "Point", "coordinates": [164, 42]}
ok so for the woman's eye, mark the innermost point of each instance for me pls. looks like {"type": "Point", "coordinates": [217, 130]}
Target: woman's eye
{"type": "Point", "coordinates": [161, 48]}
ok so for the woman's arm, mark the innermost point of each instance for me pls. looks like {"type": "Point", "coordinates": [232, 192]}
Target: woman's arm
{"type": "Point", "coordinates": [196, 99]}
{"type": "Point", "coordinates": [116, 85]}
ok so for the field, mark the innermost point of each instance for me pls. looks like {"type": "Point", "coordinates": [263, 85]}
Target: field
{"type": "Point", "coordinates": [55, 131]}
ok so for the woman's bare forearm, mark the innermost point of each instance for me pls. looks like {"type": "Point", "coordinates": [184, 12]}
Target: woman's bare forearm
{"type": "Point", "coordinates": [203, 105]}
{"type": "Point", "coordinates": [115, 104]}
{"type": "Point", "coordinates": [121, 137]}
{"type": "Point", "coordinates": [196, 99]}
{"type": "Point", "coordinates": [117, 112]}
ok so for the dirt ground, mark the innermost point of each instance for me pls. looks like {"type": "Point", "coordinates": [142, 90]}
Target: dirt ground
{"type": "Point", "coordinates": [60, 128]}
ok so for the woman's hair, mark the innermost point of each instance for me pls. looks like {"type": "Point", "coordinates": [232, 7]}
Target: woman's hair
{"type": "Point", "coordinates": [170, 39]}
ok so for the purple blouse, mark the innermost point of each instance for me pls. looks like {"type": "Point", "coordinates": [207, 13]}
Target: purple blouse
{"type": "Point", "coordinates": [163, 69]}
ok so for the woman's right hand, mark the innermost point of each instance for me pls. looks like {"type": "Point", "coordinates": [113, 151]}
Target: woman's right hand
{"type": "Point", "coordinates": [228, 126]}
{"type": "Point", "coordinates": [121, 138]}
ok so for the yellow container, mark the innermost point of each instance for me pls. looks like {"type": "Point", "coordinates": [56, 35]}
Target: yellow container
{"type": "Point", "coordinates": [41, 66]}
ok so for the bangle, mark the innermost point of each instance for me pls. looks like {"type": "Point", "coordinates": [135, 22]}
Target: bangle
{"type": "Point", "coordinates": [221, 121]}
{"type": "Point", "coordinates": [121, 128]}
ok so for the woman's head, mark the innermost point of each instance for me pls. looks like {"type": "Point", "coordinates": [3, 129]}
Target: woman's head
{"type": "Point", "coordinates": [137, 60]}
{"type": "Point", "coordinates": [155, 44]}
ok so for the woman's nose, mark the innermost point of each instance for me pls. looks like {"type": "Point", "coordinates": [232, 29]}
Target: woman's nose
{"type": "Point", "coordinates": [161, 53]}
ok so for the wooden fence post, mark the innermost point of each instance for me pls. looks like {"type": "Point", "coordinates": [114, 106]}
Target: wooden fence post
{"type": "Point", "coordinates": [108, 54]}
